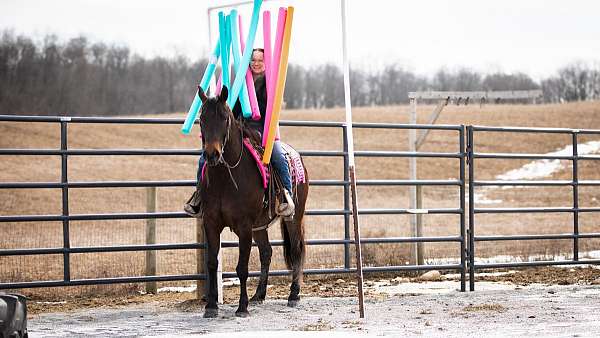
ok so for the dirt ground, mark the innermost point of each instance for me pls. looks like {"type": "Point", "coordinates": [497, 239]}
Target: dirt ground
{"type": "Point", "coordinates": [544, 302]}
{"type": "Point", "coordinates": [314, 286]}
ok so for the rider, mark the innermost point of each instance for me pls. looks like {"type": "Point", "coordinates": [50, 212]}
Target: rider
{"type": "Point", "coordinates": [287, 207]}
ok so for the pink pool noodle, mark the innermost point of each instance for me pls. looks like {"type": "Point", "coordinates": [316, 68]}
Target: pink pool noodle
{"type": "Point", "coordinates": [268, 50]}
{"type": "Point", "coordinates": [272, 80]}
{"type": "Point", "coordinates": [249, 79]}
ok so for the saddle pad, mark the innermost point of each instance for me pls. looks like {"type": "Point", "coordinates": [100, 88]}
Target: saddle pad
{"type": "Point", "coordinates": [264, 172]}
{"type": "Point", "coordinates": [294, 163]}
{"type": "Point", "coordinates": [291, 155]}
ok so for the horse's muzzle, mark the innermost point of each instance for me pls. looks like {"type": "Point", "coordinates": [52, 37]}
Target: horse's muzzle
{"type": "Point", "coordinates": [212, 153]}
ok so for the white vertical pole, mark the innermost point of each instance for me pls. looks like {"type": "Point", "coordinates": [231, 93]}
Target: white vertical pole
{"type": "Point", "coordinates": [213, 82]}
{"type": "Point", "coordinates": [351, 166]}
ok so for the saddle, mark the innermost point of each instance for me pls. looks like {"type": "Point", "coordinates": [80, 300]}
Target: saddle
{"type": "Point", "coordinates": [271, 180]}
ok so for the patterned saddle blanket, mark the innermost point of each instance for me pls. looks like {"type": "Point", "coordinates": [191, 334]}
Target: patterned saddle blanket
{"type": "Point", "coordinates": [291, 155]}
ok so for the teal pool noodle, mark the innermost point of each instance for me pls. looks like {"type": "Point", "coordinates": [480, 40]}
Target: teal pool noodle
{"type": "Point", "coordinates": [224, 37]}
{"type": "Point", "coordinates": [196, 103]}
{"type": "Point", "coordinates": [235, 49]}
{"type": "Point", "coordinates": [243, 66]}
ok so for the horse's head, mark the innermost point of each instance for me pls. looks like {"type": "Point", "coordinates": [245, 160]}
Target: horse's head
{"type": "Point", "coordinates": [215, 120]}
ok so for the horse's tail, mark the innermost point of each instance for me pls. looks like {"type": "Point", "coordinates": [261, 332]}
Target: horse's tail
{"type": "Point", "coordinates": [293, 243]}
{"type": "Point", "coordinates": [292, 233]}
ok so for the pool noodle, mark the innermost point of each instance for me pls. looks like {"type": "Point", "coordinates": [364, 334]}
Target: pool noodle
{"type": "Point", "coordinates": [239, 75]}
{"type": "Point", "coordinates": [223, 33]}
{"type": "Point", "coordinates": [280, 85]}
{"type": "Point", "coordinates": [235, 49]}
{"type": "Point", "coordinates": [249, 80]}
{"type": "Point", "coordinates": [268, 52]}
{"type": "Point", "coordinates": [197, 103]}
{"type": "Point", "coordinates": [272, 80]}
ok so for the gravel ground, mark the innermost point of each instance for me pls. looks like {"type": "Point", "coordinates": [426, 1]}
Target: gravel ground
{"type": "Point", "coordinates": [433, 309]}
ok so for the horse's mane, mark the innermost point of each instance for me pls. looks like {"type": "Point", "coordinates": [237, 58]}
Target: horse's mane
{"type": "Point", "coordinates": [248, 132]}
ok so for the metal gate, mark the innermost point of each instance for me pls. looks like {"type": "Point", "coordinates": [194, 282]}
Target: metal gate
{"type": "Point", "coordinates": [66, 250]}
{"type": "Point", "coordinates": [575, 235]}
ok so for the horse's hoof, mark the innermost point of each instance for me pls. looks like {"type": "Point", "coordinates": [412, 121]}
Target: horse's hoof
{"type": "Point", "coordinates": [242, 314]}
{"type": "Point", "coordinates": [292, 303]}
{"type": "Point", "coordinates": [256, 300]}
{"type": "Point", "coordinates": [211, 313]}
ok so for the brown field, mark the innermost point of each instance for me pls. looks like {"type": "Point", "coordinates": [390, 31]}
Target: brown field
{"type": "Point", "coordinates": [107, 168]}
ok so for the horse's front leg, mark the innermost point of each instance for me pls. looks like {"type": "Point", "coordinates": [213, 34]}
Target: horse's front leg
{"type": "Point", "coordinates": [214, 243]}
{"type": "Point", "coordinates": [245, 237]}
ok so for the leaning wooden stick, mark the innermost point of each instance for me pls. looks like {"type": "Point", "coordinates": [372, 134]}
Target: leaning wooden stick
{"type": "Point", "coordinates": [359, 271]}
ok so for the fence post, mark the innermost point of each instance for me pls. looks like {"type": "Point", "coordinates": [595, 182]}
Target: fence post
{"type": "Point", "coordinates": [65, 199]}
{"type": "Point", "coordinates": [463, 245]}
{"type": "Point", "coordinates": [151, 238]}
{"type": "Point", "coordinates": [419, 226]}
{"type": "Point", "coordinates": [415, 224]}
{"type": "Point", "coordinates": [575, 199]}
{"type": "Point", "coordinates": [471, 230]}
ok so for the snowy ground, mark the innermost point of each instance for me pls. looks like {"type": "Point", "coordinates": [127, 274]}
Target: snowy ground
{"type": "Point", "coordinates": [435, 309]}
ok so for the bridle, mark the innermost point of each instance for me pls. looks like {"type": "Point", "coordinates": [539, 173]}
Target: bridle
{"type": "Point", "coordinates": [222, 160]}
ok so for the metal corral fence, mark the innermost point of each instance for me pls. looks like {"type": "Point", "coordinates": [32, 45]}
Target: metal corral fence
{"type": "Point", "coordinates": [575, 210]}
{"type": "Point", "coordinates": [66, 217]}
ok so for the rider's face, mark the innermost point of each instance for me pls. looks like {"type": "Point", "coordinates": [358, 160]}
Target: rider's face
{"type": "Point", "coordinates": [257, 64]}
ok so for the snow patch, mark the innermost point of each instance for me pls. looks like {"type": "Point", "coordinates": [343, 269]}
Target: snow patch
{"type": "Point", "coordinates": [545, 168]}
{"type": "Point", "coordinates": [537, 169]}
{"type": "Point", "coordinates": [584, 255]}
{"type": "Point", "coordinates": [180, 289]}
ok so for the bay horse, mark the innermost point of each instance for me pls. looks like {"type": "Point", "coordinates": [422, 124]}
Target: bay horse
{"type": "Point", "coordinates": [233, 196]}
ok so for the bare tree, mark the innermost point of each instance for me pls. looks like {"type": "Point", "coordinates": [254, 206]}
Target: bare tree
{"type": "Point", "coordinates": [83, 78]}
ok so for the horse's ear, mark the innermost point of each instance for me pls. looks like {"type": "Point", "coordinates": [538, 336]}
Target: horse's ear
{"type": "Point", "coordinates": [202, 95]}
{"type": "Point", "coordinates": [223, 95]}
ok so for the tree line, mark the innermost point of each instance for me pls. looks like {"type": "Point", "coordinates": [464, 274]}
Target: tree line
{"type": "Point", "coordinates": [79, 77]}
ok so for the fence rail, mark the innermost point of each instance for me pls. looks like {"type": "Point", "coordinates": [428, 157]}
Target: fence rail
{"type": "Point", "coordinates": [466, 237]}
{"type": "Point", "coordinates": [64, 152]}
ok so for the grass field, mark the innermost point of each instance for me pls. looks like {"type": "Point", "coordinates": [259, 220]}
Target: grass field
{"type": "Point", "coordinates": [107, 168]}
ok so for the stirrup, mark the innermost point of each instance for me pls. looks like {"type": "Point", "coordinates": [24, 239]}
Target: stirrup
{"type": "Point", "coordinates": [287, 208]}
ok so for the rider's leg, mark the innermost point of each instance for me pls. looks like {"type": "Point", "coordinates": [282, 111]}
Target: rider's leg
{"type": "Point", "coordinates": [192, 206]}
{"type": "Point", "coordinates": [201, 162]}
{"type": "Point", "coordinates": [280, 164]}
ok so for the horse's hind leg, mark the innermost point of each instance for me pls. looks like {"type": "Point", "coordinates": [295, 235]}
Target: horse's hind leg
{"type": "Point", "coordinates": [265, 251]}
{"type": "Point", "coordinates": [245, 237]}
{"type": "Point", "coordinates": [294, 252]}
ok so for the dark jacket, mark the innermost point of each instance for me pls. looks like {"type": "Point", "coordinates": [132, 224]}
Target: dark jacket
{"type": "Point", "coordinates": [260, 86]}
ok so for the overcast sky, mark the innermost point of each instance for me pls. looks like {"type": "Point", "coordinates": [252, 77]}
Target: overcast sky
{"type": "Point", "coordinates": [532, 36]}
